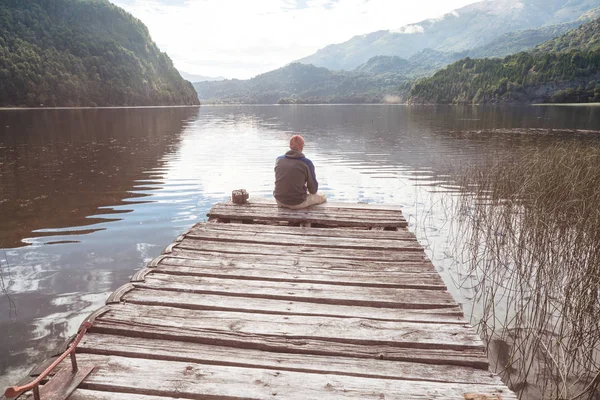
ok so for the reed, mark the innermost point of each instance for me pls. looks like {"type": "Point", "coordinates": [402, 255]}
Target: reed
{"type": "Point", "coordinates": [530, 224]}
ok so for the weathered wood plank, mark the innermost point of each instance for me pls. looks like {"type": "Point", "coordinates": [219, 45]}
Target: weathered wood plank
{"type": "Point", "coordinates": [401, 234]}
{"type": "Point", "coordinates": [269, 202]}
{"type": "Point", "coordinates": [194, 301]}
{"type": "Point", "coordinates": [312, 212]}
{"type": "Point", "coordinates": [324, 218]}
{"type": "Point", "coordinates": [84, 394]}
{"type": "Point", "coordinates": [234, 211]}
{"type": "Point", "coordinates": [64, 382]}
{"type": "Point", "coordinates": [219, 355]}
{"type": "Point", "coordinates": [189, 380]}
{"type": "Point", "coordinates": [321, 208]}
{"type": "Point", "coordinates": [309, 292]}
{"type": "Point", "coordinates": [471, 357]}
{"type": "Point", "coordinates": [242, 248]}
{"type": "Point", "coordinates": [328, 211]}
{"type": "Point", "coordinates": [321, 241]}
{"type": "Point", "coordinates": [281, 328]}
{"type": "Point", "coordinates": [360, 267]}
{"type": "Point", "coordinates": [293, 273]}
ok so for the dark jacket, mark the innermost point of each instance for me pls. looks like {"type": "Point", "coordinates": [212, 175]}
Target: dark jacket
{"type": "Point", "coordinates": [294, 174]}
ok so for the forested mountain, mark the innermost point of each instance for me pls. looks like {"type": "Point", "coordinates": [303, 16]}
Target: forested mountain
{"type": "Point", "coordinates": [82, 53]}
{"type": "Point", "coordinates": [584, 38]}
{"type": "Point", "coordinates": [300, 83]}
{"type": "Point", "coordinates": [428, 61]}
{"type": "Point", "coordinates": [564, 69]}
{"type": "Point", "coordinates": [467, 28]}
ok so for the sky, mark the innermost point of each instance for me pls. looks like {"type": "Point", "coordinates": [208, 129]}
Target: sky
{"type": "Point", "coordinates": [243, 38]}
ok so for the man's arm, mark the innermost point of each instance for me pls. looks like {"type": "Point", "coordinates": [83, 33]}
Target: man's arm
{"type": "Point", "coordinates": [312, 184]}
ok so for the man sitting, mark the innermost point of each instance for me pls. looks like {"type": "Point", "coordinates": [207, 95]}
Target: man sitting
{"type": "Point", "coordinates": [294, 175]}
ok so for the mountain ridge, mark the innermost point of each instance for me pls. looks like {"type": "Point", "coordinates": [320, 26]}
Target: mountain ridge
{"type": "Point", "coordinates": [462, 29]}
{"type": "Point", "coordinates": [564, 69]}
{"type": "Point", "coordinates": [301, 83]}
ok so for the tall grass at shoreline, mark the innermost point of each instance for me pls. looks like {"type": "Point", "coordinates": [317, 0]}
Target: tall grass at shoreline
{"type": "Point", "coordinates": [531, 226]}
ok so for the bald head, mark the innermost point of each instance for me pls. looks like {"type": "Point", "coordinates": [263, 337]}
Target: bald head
{"type": "Point", "coordinates": [297, 143]}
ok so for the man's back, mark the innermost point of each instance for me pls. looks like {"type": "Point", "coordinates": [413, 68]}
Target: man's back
{"type": "Point", "coordinates": [294, 177]}
{"type": "Point", "coordinates": [294, 174]}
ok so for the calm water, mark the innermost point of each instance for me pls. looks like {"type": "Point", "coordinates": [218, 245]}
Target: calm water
{"type": "Point", "coordinates": [87, 197]}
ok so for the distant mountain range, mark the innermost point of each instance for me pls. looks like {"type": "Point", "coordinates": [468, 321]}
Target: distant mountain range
{"type": "Point", "coordinates": [562, 70]}
{"type": "Point", "coordinates": [200, 78]}
{"type": "Point", "coordinates": [384, 78]}
{"type": "Point", "coordinates": [82, 53]}
{"type": "Point", "coordinates": [461, 30]}
{"type": "Point", "coordinates": [300, 83]}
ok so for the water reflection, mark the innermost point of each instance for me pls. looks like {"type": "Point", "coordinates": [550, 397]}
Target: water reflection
{"type": "Point", "coordinates": [89, 196]}
{"type": "Point", "coordinates": [65, 174]}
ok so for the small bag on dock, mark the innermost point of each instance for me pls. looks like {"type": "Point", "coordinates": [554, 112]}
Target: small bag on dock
{"type": "Point", "coordinates": [239, 196]}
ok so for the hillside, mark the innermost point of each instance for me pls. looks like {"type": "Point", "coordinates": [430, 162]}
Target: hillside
{"type": "Point", "coordinates": [516, 42]}
{"type": "Point", "coordinates": [467, 28]}
{"type": "Point", "coordinates": [82, 53]}
{"type": "Point", "coordinates": [428, 61]}
{"type": "Point", "coordinates": [564, 69]}
{"type": "Point", "coordinates": [299, 83]}
{"type": "Point", "coordinates": [584, 38]}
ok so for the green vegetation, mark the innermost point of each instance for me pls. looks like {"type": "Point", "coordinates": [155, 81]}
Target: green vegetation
{"type": "Point", "coordinates": [82, 53]}
{"type": "Point", "coordinates": [584, 38]}
{"type": "Point", "coordinates": [515, 42]}
{"type": "Point", "coordinates": [299, 83]}
{"type": "Point", "coordinates": [563, 69]}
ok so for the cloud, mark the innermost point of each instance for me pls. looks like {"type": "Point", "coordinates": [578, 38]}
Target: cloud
{"type": "Point", "coordinates": [409, 29]}
{"type": "Point", "coordinates": [241, 39]}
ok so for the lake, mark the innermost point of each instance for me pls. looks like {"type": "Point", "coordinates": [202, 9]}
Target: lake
{"type": "Point", "coordinates": [89, 196]}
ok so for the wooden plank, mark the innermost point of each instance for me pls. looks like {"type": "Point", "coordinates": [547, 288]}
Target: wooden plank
{"type": "Point", "coordinates": [360, 267]}
{"type": "Point", "coordinates": [315, 211]}
{"type": "Point", "coordinates": [332, 204]}
{"type": "Point", "coordinates": [243, 212]}
{"type": "Point", "coordinates": [474, 358]}
{"type": "Point", "coordinates": [320, 209]}
{"type": "Point", "coordinates": [188, 380]}
{"type": "Point", "coordinates": [349, 254]}
{"type": "Point", "coordinates": [322, 241]}
{"type": "Point", "coordinates": [265, 272]}
{"type": "Point", "coordinates": [400, 234]}
{"type": "Point", "coordinates": [259, 201]}
{"type": "Point", "coordinates": [84, 394]}
{"type": "Point", "coordinates": [243, 326]}
{"type": "Point", "coordinates": [325, 207]}
{"type": "Point", "coordinates": [297, 216]}
{"type": "Point", "coordinates": [308, 292]}
{"type": "Point", "coordinates": [194, 301]}
{"type": "Point", "coordinates": [64, 382]}
{"type": "Point", "coordinates": [219, 355]}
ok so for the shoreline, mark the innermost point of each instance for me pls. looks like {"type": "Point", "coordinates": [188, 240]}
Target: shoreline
{"type": "Point", "coordinates": [304, 104]}
{"type": "Point", "coordinates": [92, 108]}
{"type": "Point", "coordinates": [567, 104]}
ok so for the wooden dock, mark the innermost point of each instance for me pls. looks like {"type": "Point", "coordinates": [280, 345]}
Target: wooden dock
{"type": "Point", "coordinates": [335, 302]}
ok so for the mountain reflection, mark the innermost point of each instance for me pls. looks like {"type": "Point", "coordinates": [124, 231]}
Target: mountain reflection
{"type": "Point", "coordinates": [59, 167]}
{"type": "Point", "coordinates": [65, 174]}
